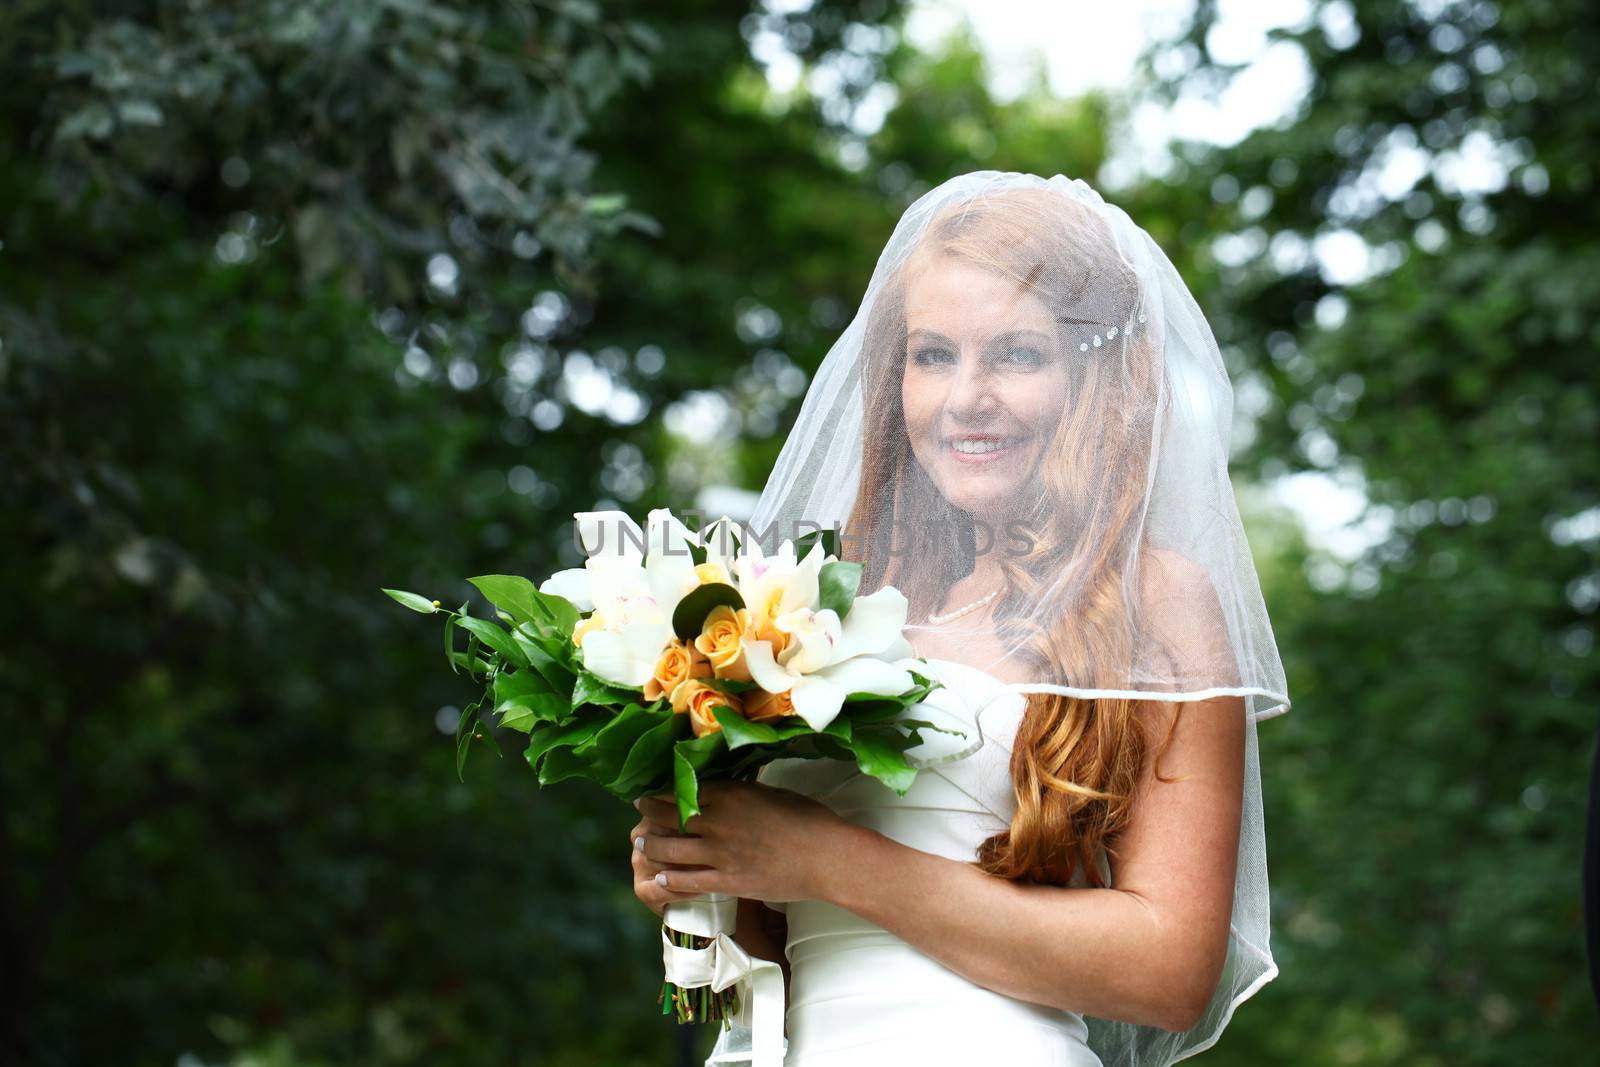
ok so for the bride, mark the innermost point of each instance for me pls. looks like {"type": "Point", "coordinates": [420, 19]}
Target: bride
{"type": "Point", "coordinates": [1024, 430]}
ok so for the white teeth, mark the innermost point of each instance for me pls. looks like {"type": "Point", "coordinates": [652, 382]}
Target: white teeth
{"type": "Point", "coordinates": [973, 448]}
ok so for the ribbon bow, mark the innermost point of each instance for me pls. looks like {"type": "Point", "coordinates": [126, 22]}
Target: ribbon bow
{"type": "Point", "coordinates": [723, 963]}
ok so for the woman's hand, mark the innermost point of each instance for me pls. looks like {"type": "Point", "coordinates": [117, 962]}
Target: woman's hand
{"type": "Point", "coordinates": [645, 886]}
{"type": "Point", "coordinates": [749, 840]}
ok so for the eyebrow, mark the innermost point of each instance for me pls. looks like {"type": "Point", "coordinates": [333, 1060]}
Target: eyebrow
{"type": "Point", "coordinates": [1009, 335]}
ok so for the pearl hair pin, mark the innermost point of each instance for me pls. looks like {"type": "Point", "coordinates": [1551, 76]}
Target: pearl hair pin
{"type": "Point", "coordinates": [1111, 334]}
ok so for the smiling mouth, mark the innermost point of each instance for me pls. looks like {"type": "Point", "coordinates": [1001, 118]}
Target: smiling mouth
{"type": "Point", "coordinates": [981, 446]}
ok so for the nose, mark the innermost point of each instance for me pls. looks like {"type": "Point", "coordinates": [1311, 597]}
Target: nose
{"type": "Point", "coordinates": [972, 397]}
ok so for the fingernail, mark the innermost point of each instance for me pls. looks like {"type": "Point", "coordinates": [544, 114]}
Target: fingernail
{"type": "Point", "coordinates": [661, 879]}
{"type": "Point", "coordinates": [638, 843]}
{"type": "Point", "coordinates": [638, 802]}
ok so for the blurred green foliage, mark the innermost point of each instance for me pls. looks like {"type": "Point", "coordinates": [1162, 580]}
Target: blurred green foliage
{"type": "Point", "coordinates": [300, 298]}
{"type": "Point", "coordinates": [1426, 797]}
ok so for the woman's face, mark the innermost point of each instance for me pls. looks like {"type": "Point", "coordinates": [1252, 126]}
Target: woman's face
{"type": "Point", "coordinates": [985, 383]}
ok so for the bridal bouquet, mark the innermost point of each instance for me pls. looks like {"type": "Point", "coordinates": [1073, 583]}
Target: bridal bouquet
{"type": "Point", "coordinates": [672, 657]}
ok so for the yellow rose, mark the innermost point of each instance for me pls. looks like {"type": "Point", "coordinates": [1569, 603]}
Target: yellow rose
{"type": "Point", "coordinates": [711, 572]}
{"type": "Point", "coordinates": [678, 663]}
{"type": "Point", "coordinates": [699, 701]}
{"type": "Point", "coordinates": [593, 622]}
{"type": "Point", "coordinates": [760, 705]}
{"type": "Point", "coordinates": [719, 641]}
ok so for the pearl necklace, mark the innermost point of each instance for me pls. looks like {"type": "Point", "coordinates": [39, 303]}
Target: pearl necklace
{"type": "Point", "coordinates": [956, 614]}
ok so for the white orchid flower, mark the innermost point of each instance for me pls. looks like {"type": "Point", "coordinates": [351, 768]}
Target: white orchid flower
{"type": "Point", "coordinates": [632, 580]}
{"type": "Point", "coordinates": [827, 660]}
{"type": "Point", "coordinates": [778, 584]}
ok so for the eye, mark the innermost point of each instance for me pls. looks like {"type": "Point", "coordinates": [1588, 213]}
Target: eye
{"type": "Point", "coordinates": [933, 356]}
{"type": "Point", "coordinates": [1024, 356]}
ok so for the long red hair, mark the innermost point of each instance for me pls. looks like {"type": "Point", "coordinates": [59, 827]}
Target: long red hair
{"type": "Point", "coordinates": [1075, 763]}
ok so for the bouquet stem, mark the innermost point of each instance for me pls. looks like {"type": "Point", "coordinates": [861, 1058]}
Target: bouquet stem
{"type": "Point", "coordinates": [694, 934]}
{"type": "Point", "coordinates": [701, 1003]}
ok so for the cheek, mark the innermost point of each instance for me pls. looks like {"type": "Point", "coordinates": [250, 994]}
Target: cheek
{"type": "Point", "coordinates": [920, 402]}
{"type": "Point", "coordinates": [1037, 400]}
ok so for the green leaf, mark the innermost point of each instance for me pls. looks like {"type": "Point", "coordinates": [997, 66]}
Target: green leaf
{"type": "Point", "coordinates": [591, 689]}
{"type": "Point", "coordinates": [472, 664]}
{"type": "Point", "coordinates": [687, 758]}
{"type": "Point", "coordinates": [690, 614]}
{"type": "Point", "coordinates": [522, 698]}
{"type": "Point", "coordinates": [413, 601]}
{"type": "Point", "coordinates": [832, 747]}
{"type": "Point", "coordinates": [874, 709]}
{"type": "Point", "coordinates": [518, 597]}
{"type": "Point", "coordinates": [924, 724]}
{"type": "Point", "coordinates": [828, 538]}
{"type": "Point", "coordinates": [551, 656]}
{"type": "Point", "coordinates": [741, 731]}
{"type": "Point", "coordinates": [883, 757]}
{"type": "Point", "coordinates": [496, 638]}
{"type": "Point", "coordinates": [552, 736]}
{"type": "Point", "coordinates": [839, 727]}
{"type": "Point", "coordinates": [449, 645]}
{"type": "Point", "coordinates": [648, 760]}
{"type": "Point", "coordinates": [837, 584]}
{"type": "Point", "coordinates": [511, 685]}
{"type": "Point", "coordinates": [608, 749]}
{"type": "Point", "coordinates": [559, 764]}
{"type": "Point", "coordinates": [464, 727]}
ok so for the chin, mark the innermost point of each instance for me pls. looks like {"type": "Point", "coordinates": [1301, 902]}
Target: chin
{"type": "Point", "coordinates": [985, 497]}
{"type": "Point", "coordinates": [986, 490]}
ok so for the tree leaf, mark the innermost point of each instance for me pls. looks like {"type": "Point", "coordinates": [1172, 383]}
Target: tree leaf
{"type": "Point", "coordinates": [413, 601]}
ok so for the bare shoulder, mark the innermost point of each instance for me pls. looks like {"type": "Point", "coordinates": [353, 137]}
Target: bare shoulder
{"type": "Point", "coordinates": [1182, 623]}
{"type": "Point", "coordinates": [1166, 575]}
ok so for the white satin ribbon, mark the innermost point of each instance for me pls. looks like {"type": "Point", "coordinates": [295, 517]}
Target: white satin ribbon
{"type": "Point", "coordinates": [723, 963]}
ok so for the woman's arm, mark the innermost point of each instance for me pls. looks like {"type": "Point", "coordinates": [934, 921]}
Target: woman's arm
{"type": "Point", "coordinates": [1149, 951]}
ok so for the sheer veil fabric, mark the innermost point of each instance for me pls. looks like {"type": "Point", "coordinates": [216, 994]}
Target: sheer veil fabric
{"type": "Point", "coordinates": [1025, 429]}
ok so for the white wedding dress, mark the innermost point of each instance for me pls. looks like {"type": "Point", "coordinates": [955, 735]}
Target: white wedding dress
{"type": "Point", "coordinates": [860, 996]}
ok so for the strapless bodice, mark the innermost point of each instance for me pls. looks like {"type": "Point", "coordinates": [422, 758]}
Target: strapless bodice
{"type": "Point", "coordinates": [859, 995]}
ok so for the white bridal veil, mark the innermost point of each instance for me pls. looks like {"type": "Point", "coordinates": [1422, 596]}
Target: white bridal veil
{"type": "Point", "coordinates": [1025, 429]}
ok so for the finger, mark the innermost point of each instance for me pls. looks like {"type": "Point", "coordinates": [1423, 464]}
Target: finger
{"type": "Point", "coordinates": [694, 882]}
{"type": "Point", "coordinates": [656, 896]}
{"type": "Point", "coordinates": [678, 850]}
{"type": "Point", "coordinates": [643, 865]}
{"type": "Point", "coordinates": [659, 811]}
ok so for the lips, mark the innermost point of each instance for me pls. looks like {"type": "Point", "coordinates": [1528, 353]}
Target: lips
{"type": "Point", "coordinates": [981, 447]}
